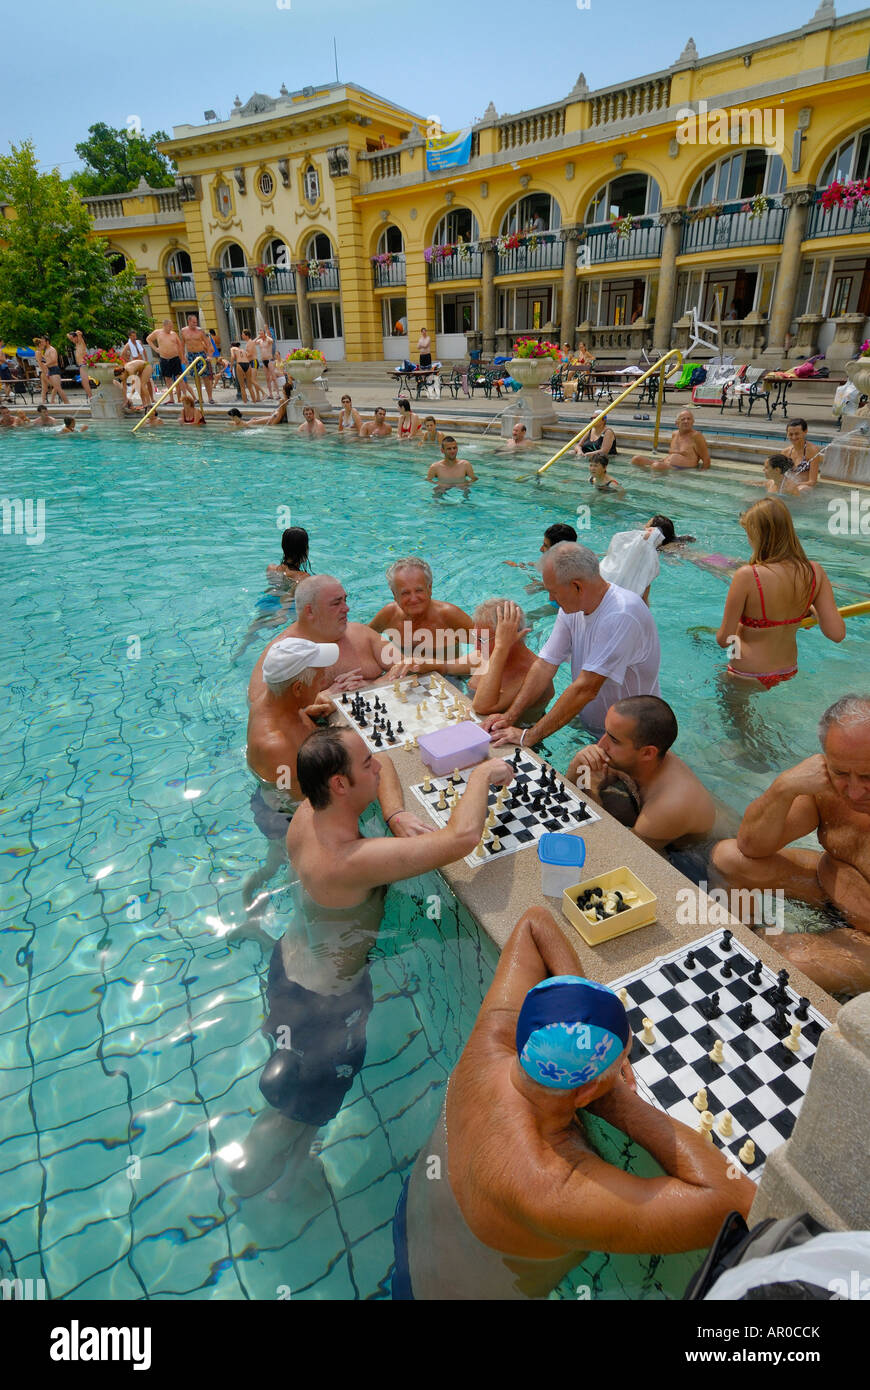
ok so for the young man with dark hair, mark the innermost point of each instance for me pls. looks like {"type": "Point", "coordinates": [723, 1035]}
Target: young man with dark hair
{"type": "Point", "coordinates": [450, 470]}
{"type": "Point", "coordinates": [633, 774]}
{"type": "Point", "coordinates": [319, 991]}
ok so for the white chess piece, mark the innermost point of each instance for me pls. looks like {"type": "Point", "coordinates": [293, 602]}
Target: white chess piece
{"type": "Point", "coordinates": [706, 1125]}
{"type": "Point", "coordinates": [716, 1053]}
{"type": "Point", "coordinates": [792, 1042]}
{"type": "Point", "coordinates": [648, 1035]}
{"type": "Point", "coordinates": [725, 1125]}
{"type": "Point", "coordinates": [700, 1101]}
{"type": "Point", "coordinates": [747, 1153]}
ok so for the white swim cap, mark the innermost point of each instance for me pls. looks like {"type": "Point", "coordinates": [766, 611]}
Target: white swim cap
{"type": "Point", "coordinates": [292, 655]}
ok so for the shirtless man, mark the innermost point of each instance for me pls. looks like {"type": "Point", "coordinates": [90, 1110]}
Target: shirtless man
{"type": "Point", "coordinates": [687, 449]}
{"type": "Point", "coordinates": [311, 425]}
{"type": "Point", "coordinates": [80, 348]}
{"type": "Point", "coordinates": [450, 471]}
{"type": "Point", "coordinates": [378, 427]}
{"type": "Point", "coordinates": [321, 616]}
{"type": "Point", "coordinates": [266, 354]}
{"type": "Point", "coordinates": [828, 793]}
{"type": "Point", "coordinates": [632, 773]}
{"type": "Point", "coordinates": [419, 626]}
{"type": "Point", "coordinates": [320, 992]}
{"type": "Point", "coordinates": [518, 439]}
{"type": "Point", "coordinates": [499, 629]}
{"type": "Point", "coordinates": [170, 350]}
{"type": "Point", "coordinates": [197, 343]}
{"type": "Point", "coordinates": [8, 421]}
{"type": "Point", "coordinates": [49, 366]}
{"type": "Point", "coordinates": [520, 1194]}
{"type": "Point", "coordinates": [43, 419]}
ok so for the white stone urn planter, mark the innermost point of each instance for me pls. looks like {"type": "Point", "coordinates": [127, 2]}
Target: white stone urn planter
{"type": "Point", "coordinates": [533, 373]}
{"type": "Point", "coordinates": [106, 403]}
{"type": "Point", "coordinates": [305, 372]}
{"type": "Point", "coordinates": [858, 373]}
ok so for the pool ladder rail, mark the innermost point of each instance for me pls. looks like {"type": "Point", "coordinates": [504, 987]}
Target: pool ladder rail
{"type": "Point", "coordinates": [198, 366]}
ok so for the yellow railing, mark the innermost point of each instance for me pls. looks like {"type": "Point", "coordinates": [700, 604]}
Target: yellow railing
{"type": "Point", "coordinates": [638, 381]}
{"type": "Point", "coordinates": [193, 366]}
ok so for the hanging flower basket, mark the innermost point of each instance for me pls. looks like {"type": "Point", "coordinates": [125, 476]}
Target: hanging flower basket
{"type": "Point", "coordinates": [622, 225]}
{"type": "Point", "coordinates": [265, 272]}
{"type": "Point", "coordinates": [384, 258]}
{"type": "Point", "coordinates": [845, 195]}
{"type": "Point", "coordinates": [757, 206]}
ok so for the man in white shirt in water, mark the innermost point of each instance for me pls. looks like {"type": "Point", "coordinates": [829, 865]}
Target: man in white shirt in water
{"type": "Point", "coordinates": [610, 637]}
{"type": "Point", "coordinates": [319, 990]}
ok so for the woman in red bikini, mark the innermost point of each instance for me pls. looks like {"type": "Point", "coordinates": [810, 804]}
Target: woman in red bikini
{"type": "Point", "coordinates": [770, 597]}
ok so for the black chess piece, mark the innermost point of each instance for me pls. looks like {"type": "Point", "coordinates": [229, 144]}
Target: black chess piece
{"type": "Point", "coordinates": [400, 729]}
{"type": "Point", "coordinates": [566, 816]}
{"type": "Point", "coordinates": [801, 1010]}
{"type": "Point", "coordinates": [344, 697]}
{"type": "Point", "coordinates": [727, 970]}
{"type": "Point", "coordinates": [780, 1024]}
{"type": "Point", "coordinates": [690, 961]}
{"type": "Point", "coordinates": [377, 740]}
{"type": "Point", "coordinates": [744, 1016]}
{"type": "Point", "coordinates": [581, 810]}
{"type": "Point", "coordinates": [725, 943]}
{"type": "Point", "coordinates": [713, 1010]}
{"type": "Point", "coordinates": [754, 976]}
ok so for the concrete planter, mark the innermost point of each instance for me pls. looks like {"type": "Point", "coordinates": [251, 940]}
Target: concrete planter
{"type": "Point", "coordinates": [106, 404]}
{"type": "Point", "coordinates": [532, 373]}
{"type": "Point", "coordinates": [305, 373]}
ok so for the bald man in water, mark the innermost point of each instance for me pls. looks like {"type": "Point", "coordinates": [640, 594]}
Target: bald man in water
{"type": "Point", "coordinates": [321, 616]}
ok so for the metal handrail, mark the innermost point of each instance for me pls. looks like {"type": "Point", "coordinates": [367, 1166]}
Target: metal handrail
{"type": "Point", "coordinates": [638, 380]}
{"type": "Point", "coordinates": [189, 368]}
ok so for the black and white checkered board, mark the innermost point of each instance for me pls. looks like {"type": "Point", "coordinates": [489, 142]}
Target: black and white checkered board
{"type": "Point", "coordinates": [760, 1081]}
{"type": "Point", "coordinates": [516, 825]}
{"type": "Point", "coordinates": [416, 690]}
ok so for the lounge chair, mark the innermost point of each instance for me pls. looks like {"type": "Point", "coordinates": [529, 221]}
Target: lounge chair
{"type": "Point", "coordinates": [750, 387]}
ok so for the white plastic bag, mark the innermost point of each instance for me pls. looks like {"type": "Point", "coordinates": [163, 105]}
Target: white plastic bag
{"type": "Point", "coordinates": [631, 561]}
{"type": "Point", "coordinates": [846, 398]}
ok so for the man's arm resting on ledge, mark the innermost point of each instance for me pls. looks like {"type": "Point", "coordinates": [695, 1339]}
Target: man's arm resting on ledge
{"type": "Point", "coordinates": [569, 704]}
{"type": "Point", "coordinates": [783, 813]}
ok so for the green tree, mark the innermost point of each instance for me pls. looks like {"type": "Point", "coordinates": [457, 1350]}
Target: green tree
{"type": "Point", "coordinates": [115, 161]}
{"type": "Point", "coordinates": [54, 273]}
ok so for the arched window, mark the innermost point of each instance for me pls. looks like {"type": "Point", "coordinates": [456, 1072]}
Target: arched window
{"type": "Point", "coordinates": [117, 262]}
{"type": "Point", "coordinates": [459, 224]}
{"type": "Point", "coordinates": [276, 254]}
{"type": "Point", "coordinates": [179, 263]}
{"type": "Point", "coordinates": [312, 184]}
{"type": "Point", "coordinates": [851, 160]}
{"type": "Point", "coordinates": [392, 241]}
{"type": "Point", "coordinates": [233, 257]}
{"type": "Point", "coordinates": [537, 212]}
{"type": "Point", "coordinates": [744, 174]}
{"type": "Point", "coordinates": [630, 195]}
{"type": "Point", "coordinates": [319, 248]}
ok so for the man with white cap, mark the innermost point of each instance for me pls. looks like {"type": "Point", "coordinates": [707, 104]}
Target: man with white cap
{"type": "Point", "coordinates": [294, 673]}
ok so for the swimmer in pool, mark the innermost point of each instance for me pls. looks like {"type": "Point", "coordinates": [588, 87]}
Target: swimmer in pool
{"type": "Point", "coordinates": [320, 992]}
{"type": "Point", "coordinates": [450, 471]}
{"type": "Point", "coordinates": [687, 449]}
{"type": "Point", "coordinates": [273, 606]}
{"type": "Point", "coordinates": [599, 477]}
{"type": "Point", "coordinates": [553, 535]}
{"type": "Point", "coordinates": [430, 433]}
{"type": "Point", "coordinates": [520, 1195]}
{"type": "Point", "coordinates": [804, 457]}
{"type": "Point", "coordinates": [776, 476]}
{"type": "Point", "coordinates": [69, 426]}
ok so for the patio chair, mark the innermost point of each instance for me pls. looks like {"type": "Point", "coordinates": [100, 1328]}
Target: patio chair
{"type": "Point", "coordinates": [720, 378]}
{"type": "Point", "coordinates": [453, 383]}
{"type": "Point", "coordinates": [751, 388]}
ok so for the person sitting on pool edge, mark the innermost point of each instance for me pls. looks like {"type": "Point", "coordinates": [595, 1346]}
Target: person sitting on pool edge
{"type": "Point", "coordinates": [319, 982]}
{"type": "Point", "coordinates": [687, 449]}
{"type": "Point", "coordinates": [419, 626]}
{"type": "Point", "coordinates": [519, 1194]}
{"type": "Point", "coordinates": [633, 774]}
{"type": "Point", "coordinates": [829, 794]}
{"type": "Point", "coordinates": [604, 443]}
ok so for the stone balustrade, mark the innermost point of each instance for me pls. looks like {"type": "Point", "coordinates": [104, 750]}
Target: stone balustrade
{"type": "Point", "coordinates": [520, 131]}
{"type": "Point", "coordinates": [622, 103]}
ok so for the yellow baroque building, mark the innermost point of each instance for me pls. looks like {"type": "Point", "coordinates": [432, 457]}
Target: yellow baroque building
{"type": "Point", "coordinates": [618, 217]}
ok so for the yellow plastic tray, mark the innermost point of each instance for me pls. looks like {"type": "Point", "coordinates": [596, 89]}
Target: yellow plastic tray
{"type": "Point", "coordinates": [640, 915]}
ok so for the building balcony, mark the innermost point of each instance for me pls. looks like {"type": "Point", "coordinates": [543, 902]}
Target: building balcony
{"type": "Point", "coordinates": [281, 281]}
{"type": "Point", "coordinates": [236, 284]}
{"type": "Point", "coordinates": [457, 265]}
{"type": "Point", "coordinates": [838, 221]}
{"type": "Point", "coordinates": [733, 227]}
{"type": "Point", "coordinates": [181, 288]}
{"type": "Point", "coordinates": [392, 274]}
{"type": "Point", "coordinates": [643, 242]}
{"type": "Point", "coordinates": [325, 279]}
{"type": "Point", "coordinates": [549, 254]}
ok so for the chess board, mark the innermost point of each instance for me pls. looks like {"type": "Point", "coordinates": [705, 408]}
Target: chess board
{"type": "Point", "coordinates": [517, 825]}
{"type": "Point", "coordinates": [760, 1081]}
{"type": "Point", "coordinates": [416, 690]}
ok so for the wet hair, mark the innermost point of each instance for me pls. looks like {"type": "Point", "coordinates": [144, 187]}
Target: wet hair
{"type": "Point", "coordinates": [572, 561]}
{"type": "Point", "coordinates": [559, 532]}
{"type": "Point", "coordinates": [404, 404]}
{"type": "Point", "coordinates": [235, 413]}
{"type": "Point", "coordinates": [40, 408]}
{"type": "Point", "coordinates": [655, 720]}
{"type": "Point", "coordinates": [771, 530]}
{"type": "Point", "coordinates": [69, 420]}
{"type": "Point", "coordinates": [409, 562]}
{"type": "Point", "coordinates": [801, 424]}
{"type": "Point", "coordinates": [294, 544]}
{"type": "Point", "coordinates": [666, 526]}
{"type": "Point", "coordinates": [322, 756]}
{"type": "Point", "coordinates": [849, 709]}
{"type": "Point", "coordinates": [780, 462]}
{"type": "Point", "coordinates": [448, 439]}
{"type": "Point", "coordinates": [598, 457]}
{"type": "Point", "coordinates": [427, 418]}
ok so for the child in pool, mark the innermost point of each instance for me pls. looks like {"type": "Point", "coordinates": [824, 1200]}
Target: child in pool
{"type": "Point", "coordinates": [599, 477]}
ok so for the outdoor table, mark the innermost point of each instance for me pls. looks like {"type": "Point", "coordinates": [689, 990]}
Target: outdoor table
{"type": "Point", "coordinates": [783, 381]}
{"type": "Point", "coordinates": [418, 376]}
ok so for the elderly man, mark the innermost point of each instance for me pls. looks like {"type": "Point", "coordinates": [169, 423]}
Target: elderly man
{"type": "Point", "coordinates": [510, 1193]}
{"type": "Point", "coordinates": [610, 637]}
{"type": "Point", "coordinates": [633, 774]}
{"type": "Point", "coordinates": [828, 793]}
{"type": "Point", "coordinates": [519, 437]}
{"type": "Point", "coordinates": [687, 449]}
{"type": "Point", "coordinates": [320, 990]}
{"type": "Point", "coordinates": [321, 616]}
{"type": "Point", "coordinates": [418, 625]}
{"type": "Point", "coordinates": [378, 427]}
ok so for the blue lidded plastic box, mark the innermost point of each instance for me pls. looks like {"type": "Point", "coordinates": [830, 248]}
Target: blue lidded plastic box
{"type": "Point", "coordinates": [561, 858]}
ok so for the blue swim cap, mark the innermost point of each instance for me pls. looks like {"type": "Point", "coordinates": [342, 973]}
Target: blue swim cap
{"type": "Point", "coordinates": [569, 1031]}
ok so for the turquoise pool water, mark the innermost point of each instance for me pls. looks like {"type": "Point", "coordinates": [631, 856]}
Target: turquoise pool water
{"type": "Point", "coordinates": [129, 1026]}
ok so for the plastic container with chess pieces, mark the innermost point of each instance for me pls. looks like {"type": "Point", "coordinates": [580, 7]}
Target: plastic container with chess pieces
{"type": "Point", "coordinates": [640, 912]}
{"type": "Point", "coordinates": [457, 746]}
{"type": "Point", "coordinates": [561, 858]}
